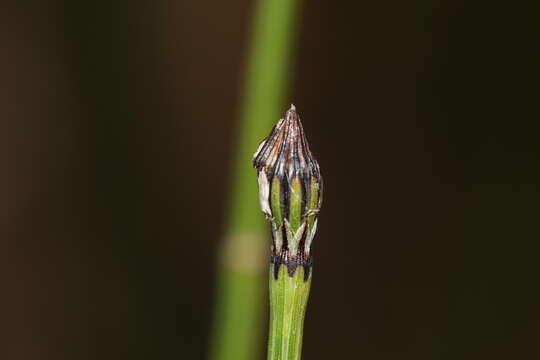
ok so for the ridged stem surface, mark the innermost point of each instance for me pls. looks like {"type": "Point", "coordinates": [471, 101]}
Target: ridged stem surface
{"type": "Point", "coordinates": [288, 301]}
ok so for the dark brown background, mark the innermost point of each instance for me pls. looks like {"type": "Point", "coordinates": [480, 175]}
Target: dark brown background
{"type": "Point", "coordinates": [117, 123]}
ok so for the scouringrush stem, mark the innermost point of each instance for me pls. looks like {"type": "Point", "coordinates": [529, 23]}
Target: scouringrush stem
{"type": "Point", "coordinates": [290, 194]}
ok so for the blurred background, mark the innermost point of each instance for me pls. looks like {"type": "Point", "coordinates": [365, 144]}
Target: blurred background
{"type": "Point", "coordinates": [117, 131]}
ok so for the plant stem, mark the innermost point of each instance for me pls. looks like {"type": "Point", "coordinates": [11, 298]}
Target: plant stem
{"type": "Point", "coordinates": [290, 194]}
{"type": "Point", "coordinates": [288, 300]}
{"type": "Point", "coordinates": [240, 299]}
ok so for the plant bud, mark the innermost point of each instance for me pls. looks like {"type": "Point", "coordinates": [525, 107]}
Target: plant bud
{"type": "Point", "coordinates": [290, 191]}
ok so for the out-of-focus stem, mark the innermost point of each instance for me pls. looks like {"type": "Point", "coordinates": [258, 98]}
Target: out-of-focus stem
{"type": "Point", "coordinates": [239, 302]}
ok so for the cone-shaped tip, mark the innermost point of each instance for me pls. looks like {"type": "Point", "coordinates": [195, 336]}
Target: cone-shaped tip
{"type": "Point", "coordinates": [290, 190]}
{"type": "Point", "coordinates": [286, 151]}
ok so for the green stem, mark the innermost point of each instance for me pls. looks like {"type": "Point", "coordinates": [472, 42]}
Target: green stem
{"type": "Point", "coordinates": [288, 301]}
{"type": "Point", "coordinates": [239, 313]}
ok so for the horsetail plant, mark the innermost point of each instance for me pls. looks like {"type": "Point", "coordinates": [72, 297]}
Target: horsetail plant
{"type": "Point", "coordinates": [238, 318]}
{"type": "Point", "coordinates": [290, 194]}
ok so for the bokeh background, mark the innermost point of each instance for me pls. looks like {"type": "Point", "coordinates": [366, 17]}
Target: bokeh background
{"type": "Point", "coordinates": [117, 130]}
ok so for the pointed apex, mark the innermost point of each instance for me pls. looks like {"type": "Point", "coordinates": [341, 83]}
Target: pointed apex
{"type": "Point", "coordinates": [291, 114]}
{"type": "Point", "coordinates": [285, 151]}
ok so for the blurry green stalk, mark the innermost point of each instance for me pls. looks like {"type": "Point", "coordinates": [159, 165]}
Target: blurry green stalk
{"type": "Point", "coordinates": [240, 304]}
